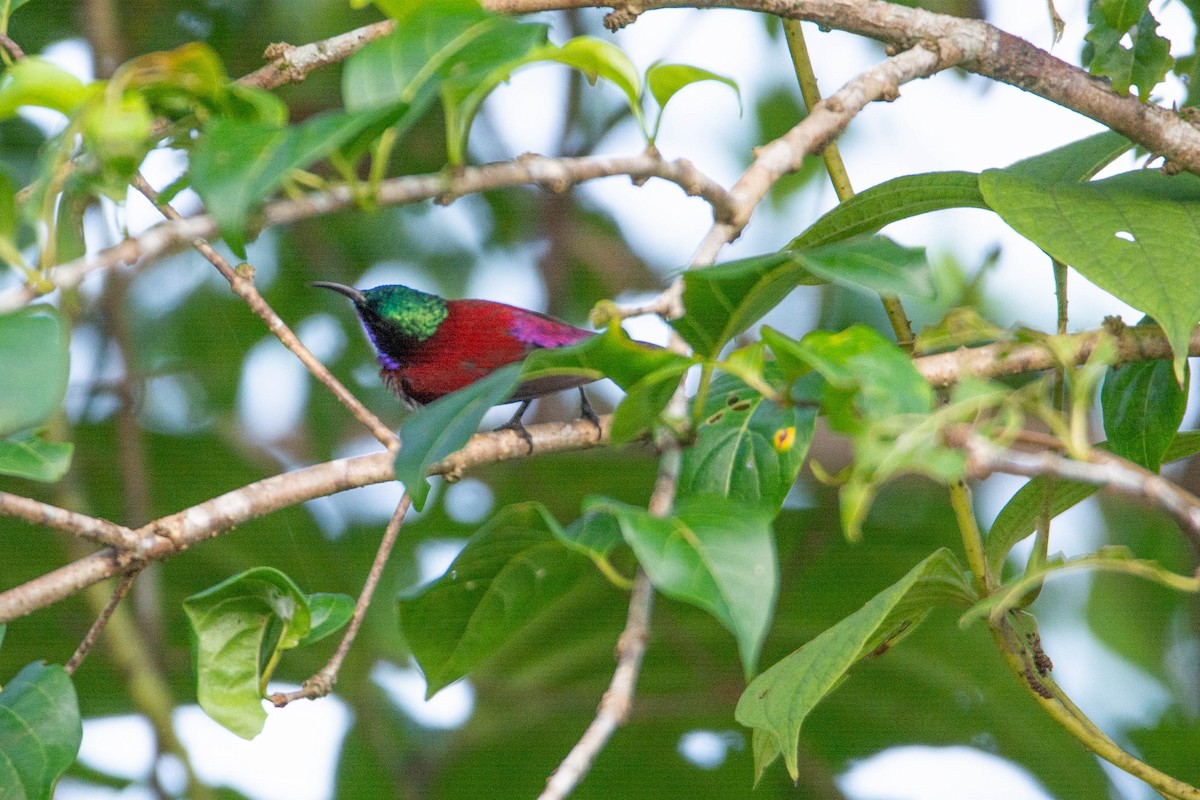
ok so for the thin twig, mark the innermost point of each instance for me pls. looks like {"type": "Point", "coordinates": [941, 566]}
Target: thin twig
{"type": "Point", "coordinates": [1103, 469]}
{"type": "Point", "coordinates": [123, 587]}
{"type": "Point", "coordinates": [12, 47]}
{"type": "Point", "coordinates": [291, 64]}
{"type": "Point", "coordinates": [242, 283]}
{"type": "Point", "coordinates": [322, 682]}
{"type": "Point", "coordinates": [615, 705]}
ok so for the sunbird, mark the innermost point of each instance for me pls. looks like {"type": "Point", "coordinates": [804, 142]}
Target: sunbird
{"type": "Point", "coordinates": [428, 346]}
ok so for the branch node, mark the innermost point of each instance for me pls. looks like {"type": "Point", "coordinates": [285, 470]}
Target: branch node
{"type": "Point", "coordinates": [627, 14]}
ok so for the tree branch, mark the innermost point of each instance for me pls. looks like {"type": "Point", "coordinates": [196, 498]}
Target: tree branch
{"type": "Point", "coordinates": [92, 529]}
{"type": "Point", "coordinates": [242, 283]}
{"type": "Point", "coordinates": [322, 682]}
{"type": "Point", "coordinates": [555, 174]}
{"type": "Point", "coordinates": [291, 64]}
{"type": "Point", "coordinates": [172, 534]}
{"type": "Point", "coordinates": [1138, 343]}
{"type": "Point", "coordinates": [1102, 469]}
{"type": "Point", "coordinates": [987, 51]}
{"type": "Point", "coordinates": [617, 701]}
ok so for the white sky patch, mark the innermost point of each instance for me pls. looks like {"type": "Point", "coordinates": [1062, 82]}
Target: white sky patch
{"type": "Point", "coordinates": [306, 737]}
{"type": "Point", "coordinates": [449, 708]}
{"type": "Point", "coordinates": [469, 501]}
{"type": "Point", "coordinates": [273, 392]}
{"type": "Point", "coordinates": [939, 773]}
{"type": "Point", "coordinates": [709, 749]}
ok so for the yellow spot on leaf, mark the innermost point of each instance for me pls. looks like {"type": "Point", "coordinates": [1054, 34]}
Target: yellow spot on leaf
{"type": "Point", "coordinates": [784, 438]}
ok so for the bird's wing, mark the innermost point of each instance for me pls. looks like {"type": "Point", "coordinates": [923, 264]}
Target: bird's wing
{"type": "Point", "coordinates": [539, 330]}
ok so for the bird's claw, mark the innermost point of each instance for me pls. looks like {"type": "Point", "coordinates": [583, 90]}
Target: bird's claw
{"type": "Point", "coordinates": [516, 426]}
{"type": "Point", "coordinates": [587, 412]}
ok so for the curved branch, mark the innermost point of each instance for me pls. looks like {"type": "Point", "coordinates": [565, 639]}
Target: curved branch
{"type": "Point", "coordinates": [555, 174]}
{"type": "Point", "coordinates": [988, 51]}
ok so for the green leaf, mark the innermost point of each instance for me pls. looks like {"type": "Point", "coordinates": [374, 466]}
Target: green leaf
{"type": "Point", "coordinates": [405, 64]}
{"type": "Point", "coordinates": [900, 198]}
{"type": "Point", "coordinates": [464, 92]}
{"type": "Point", "coordinates": [34, 81]}
{"type": "Point", "coordinates": [713, 553]}
{"type": "Point", "coordinates": [231, 647]}
{"type": "Point", "coordinates": [1122, 15]}
{"type": "Point", "coordinates": [33, 361]}
{"type": "Point", "coordinates": [865, 373]}
{"type": "Point", "coordinates": [40, 731]}
{"type": "Point", "coordinates": [597, 58]}
{"type": "Point", "coordinates": [666, 80]}
{"type": "Point", "coordinates": [1108, 559]}
{"type": "Point", "coordinates": [776, 703]}
{"type": "Point", "coordinates": [1144, 64]}
{"type": "Point", "coordinates": [1021, 513]}
{"type": "Point", "coordinates": [328, 614]}
{"type": "Point", "coordinates": [722, 301]}
{"type": "Point", "coordinates": [747, 448]}
{"type": "Point", "coordinates": [1135, 235]}
{"type": "Point", "coordinates": [510, 573]}
{"type": "Point", "coordinates": [1077, 161]}
{"type": "Point", "coordinates": [237, 163]}
{"type": "Point", "coordinates": [435, 431]}
{"type": "Point", "coordinates": [647, 373]}
{"type": "Point", "coordinates": [34, 458]}
{"type": "Point", "coordinates": [872, 262]}
{"type": "Point", "coordinates": [1143, 406]}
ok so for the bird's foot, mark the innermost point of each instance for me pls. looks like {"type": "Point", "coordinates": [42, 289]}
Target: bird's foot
{"type": "Point", "coordinates": [587, 412]}
{"type": "Point", "coordinates": [516, 426]}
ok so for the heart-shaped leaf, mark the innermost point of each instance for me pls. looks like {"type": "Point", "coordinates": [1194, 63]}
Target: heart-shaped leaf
{"type": "Point", "coordinates": [232, 649]}
{"type": "Point", "coordinates": [1135, 235]}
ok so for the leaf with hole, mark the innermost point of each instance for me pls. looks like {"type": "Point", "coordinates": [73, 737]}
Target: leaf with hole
{"type": "Point", "coordinates": [1135, 235]}
{"type": "Point", "coordinates": [747, 448]}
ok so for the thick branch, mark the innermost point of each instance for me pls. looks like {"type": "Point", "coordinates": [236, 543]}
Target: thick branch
{"type": "Point", "coordinates": [179, 531]}
{"type": "Point", "coordinates": [96, 530]}
{"type": "Point", "coordinates": [1006, 358]}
